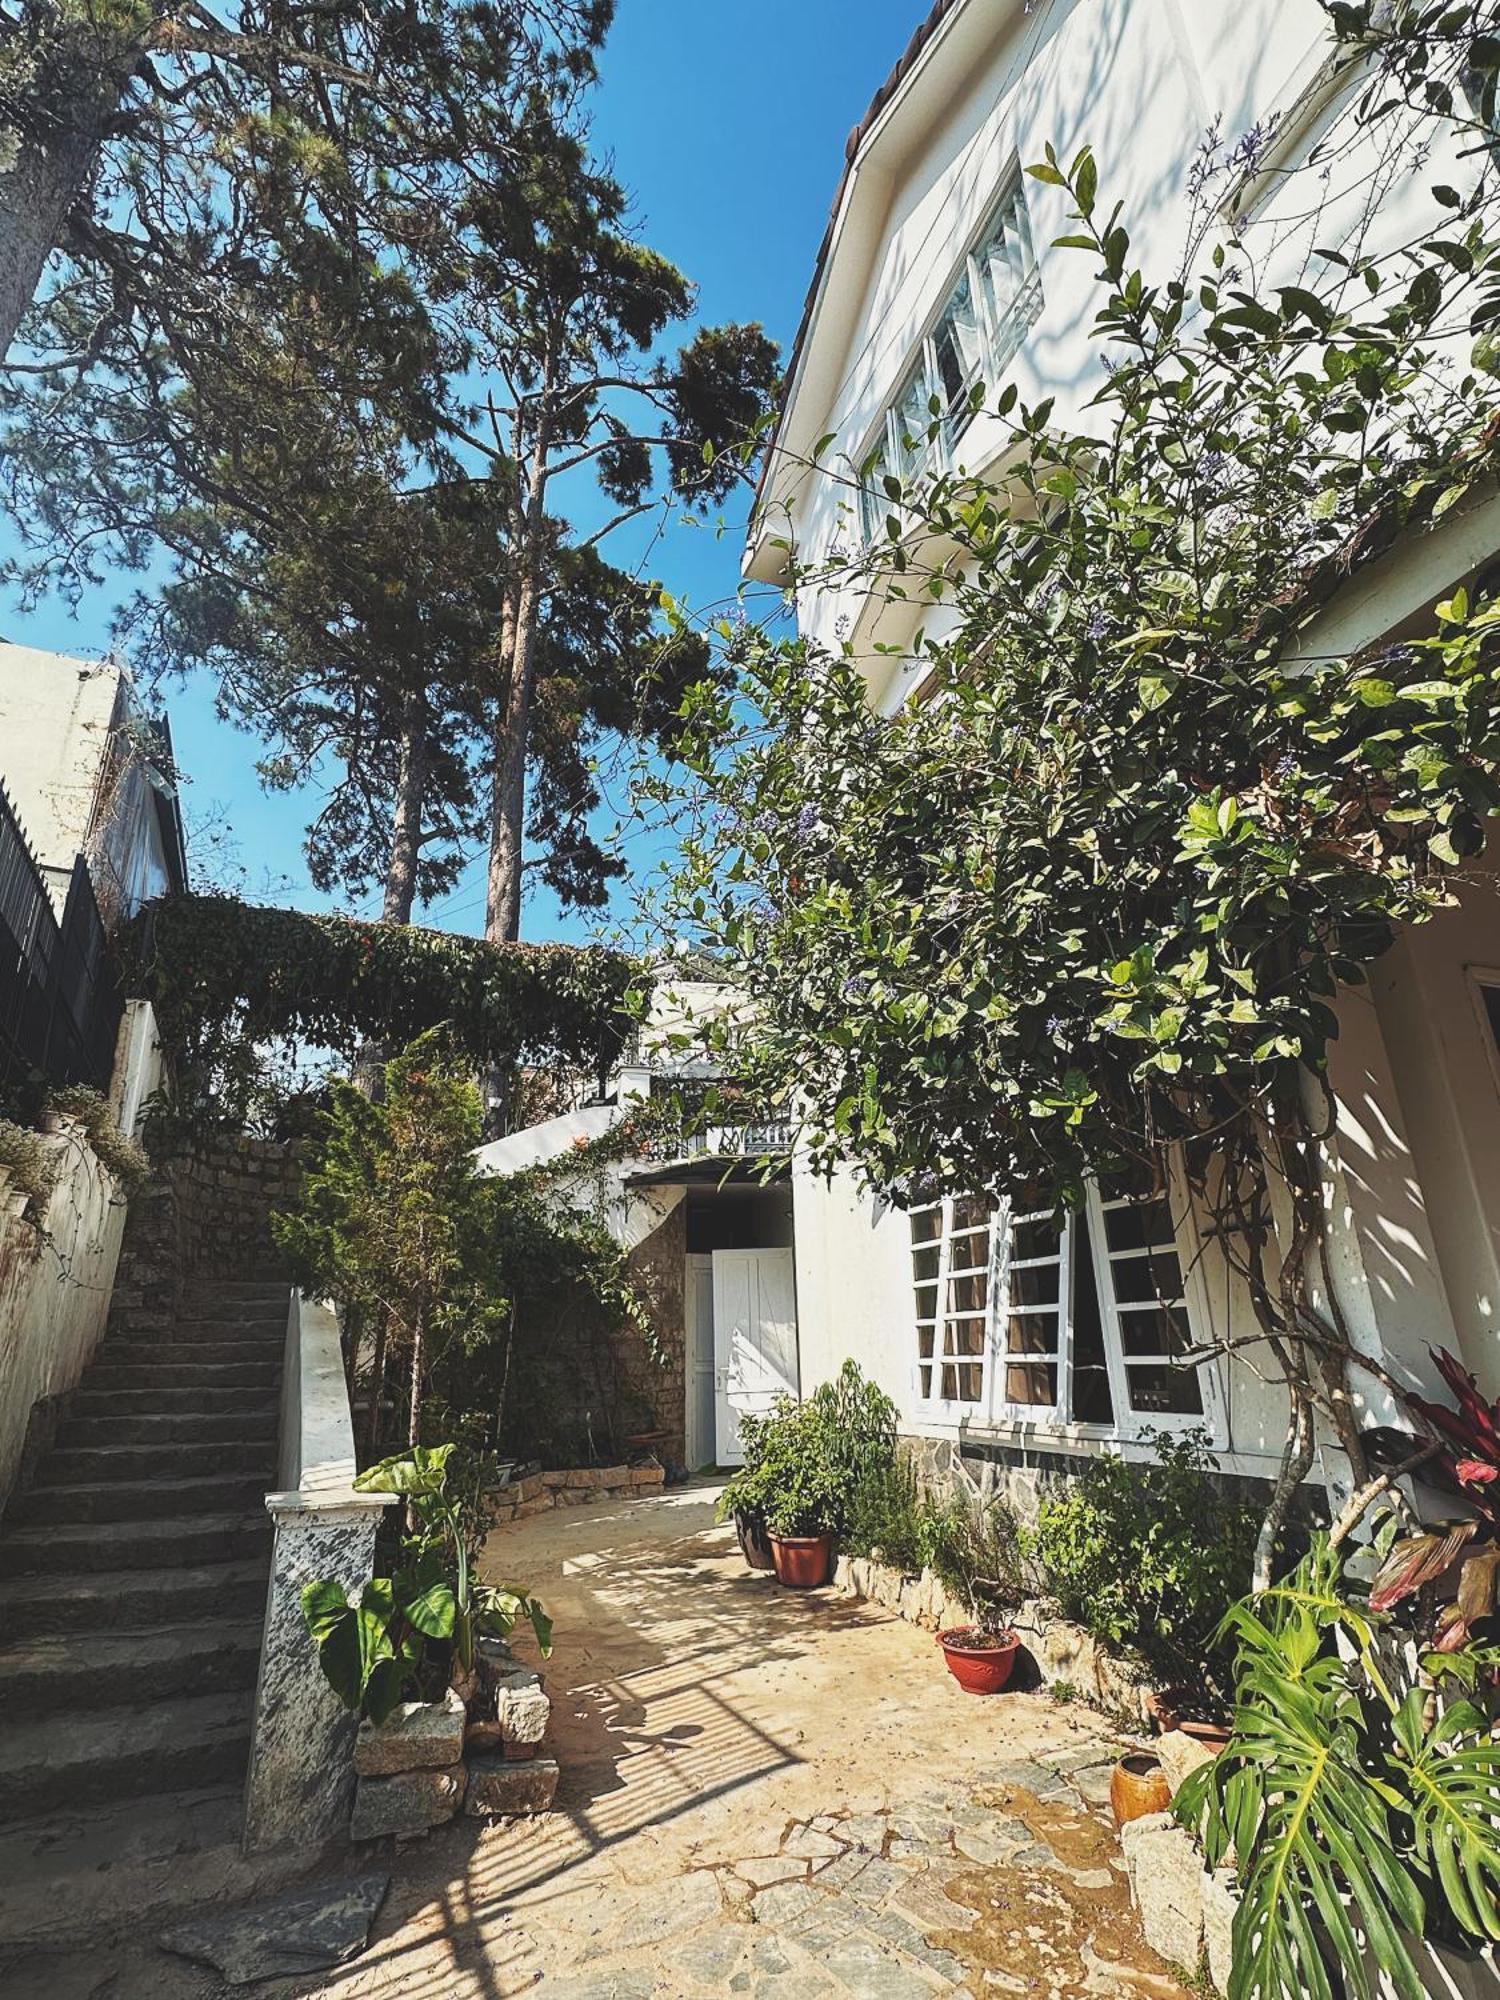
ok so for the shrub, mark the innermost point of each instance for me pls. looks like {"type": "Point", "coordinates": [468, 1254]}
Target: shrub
{"type": "Point", "coordinates": [123, 1157]}
{"type": "Point", "coordinates": [815, 1467]}
{"type": "Point", "coordinates": [32, 1167]}
{"type": "Point", "coordinates": [1150, 1556]}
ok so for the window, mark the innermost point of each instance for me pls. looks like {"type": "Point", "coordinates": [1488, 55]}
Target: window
{"type": "Point", "coordinates": [1022, 1315]}
{"type": "Point", "coordinates": [995, 298]}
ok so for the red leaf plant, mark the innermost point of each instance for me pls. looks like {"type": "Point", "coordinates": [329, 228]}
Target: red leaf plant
{"type": "Point", "coordinates": [1472, 1470]}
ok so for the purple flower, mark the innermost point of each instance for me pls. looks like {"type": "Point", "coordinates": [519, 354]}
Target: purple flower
{"type": "Point", "coordinates": [1211, 465]}
{"type": "Point", "coordinates": [1100, 625]}
{"type": "Point", "coordinates": [807, 822]}
{"type": "Point", "coordinates": [1055, 1024]}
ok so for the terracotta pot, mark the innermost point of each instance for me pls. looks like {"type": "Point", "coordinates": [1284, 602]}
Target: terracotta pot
{"type": "Point", "coordinates": [979, 1667]}
{"type": "Point", "coordinates": [802, 1562]}
{"type": "Point", "coordinates": [1212, 1735]}
{"type": "Point", "coordinates": [754, 1546]}
{"type": "Point", "coordinates": [1183, 1708]}
{"type": "Point", "coordinates": [1137, 1786]}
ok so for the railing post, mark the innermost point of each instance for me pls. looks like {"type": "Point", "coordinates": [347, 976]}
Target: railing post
{"type": "Point", "coordinates": [300, 1785]}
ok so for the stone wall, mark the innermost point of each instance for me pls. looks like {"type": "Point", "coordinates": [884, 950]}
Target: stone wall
{"type": "Point", "coordinates": [658, 1270]}
{"type": "Point", "coordinates": [579, 1486]}
{"type": "Point", "coordinates": [207, 1210]}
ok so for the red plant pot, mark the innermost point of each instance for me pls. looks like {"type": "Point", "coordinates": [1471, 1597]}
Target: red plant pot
{"type": "Point", "coordinates": [977, 1666]}
{"type": "Point", "coordinates": [802, 1561]}
{"type": "Point", "coordinates": [754, 1545]}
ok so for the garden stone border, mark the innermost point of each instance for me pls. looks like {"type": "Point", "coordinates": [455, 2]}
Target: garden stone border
{"type": "Point", "coordinates": [575, 1486]}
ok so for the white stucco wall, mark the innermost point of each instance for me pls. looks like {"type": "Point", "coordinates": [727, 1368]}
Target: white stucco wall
{"type": "Point", "coordinates": [56, 715]}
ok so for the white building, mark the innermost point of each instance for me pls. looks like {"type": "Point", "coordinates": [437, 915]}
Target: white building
{"type": "Point", "coordinates": [936, 271]}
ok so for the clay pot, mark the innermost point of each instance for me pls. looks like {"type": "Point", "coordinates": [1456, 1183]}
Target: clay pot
{"type": "Point", "coordinates": [802, 1562]}
{"type": "Point", "coordinates": [981, 1662]}
{"type": "Point", "coordinates": [1137, 1786]}
{"type": "Point", "coordinates": [1213, 1736]}
{"type": "Point", "coordinates": [754, 1546]}
{"type": "Point", "coordinates": [1182, 1708]}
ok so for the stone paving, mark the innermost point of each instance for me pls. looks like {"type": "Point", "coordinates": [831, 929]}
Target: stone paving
{"type": "Point", "coordinates": [763, 1793]}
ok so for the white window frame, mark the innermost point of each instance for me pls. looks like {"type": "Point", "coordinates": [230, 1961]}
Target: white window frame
{"type": "Point", "coordinates": [994, 1408]}
{"type": "Point", "coordinates": [1001, 336]}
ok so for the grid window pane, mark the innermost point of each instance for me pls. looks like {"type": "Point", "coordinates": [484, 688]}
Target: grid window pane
{"type": "Point", "coordinates": [1162, 1391]}
{"type": "Point", "coordinates": [1138, 1225]}
{"type": "Point", "coordinates": [951, 1290]}
{"type": "Point", "coordinates": [1155, 1330]}
{"type": "Point", "coordinates": [969, 1294]}
{"type": "Point", "coordinates": [1031, 1333]}
{"type": "Point", "coordinates": [1142, 1279]}
{"type": "Point", "coordinates": [1034, 1236]}
{"type": "Point", "coordinates": [1035, 1284]}
{"type": "Point", "coordinates": [1032, 1385]}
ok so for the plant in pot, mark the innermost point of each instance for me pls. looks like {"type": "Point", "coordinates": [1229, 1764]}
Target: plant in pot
{"type": "Point", "coordinates": [975, 1550]}
{"type": "Point", "coordinates": [1356, 1797]}
{"type": "Point", "coordinates": [414, 1634]}
{"type": "Point", "coordinates": [743, 1498]}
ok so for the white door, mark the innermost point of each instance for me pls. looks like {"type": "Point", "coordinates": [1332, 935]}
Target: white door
{"type": "Point", "coordinates": [699, 1318]}
{"type": "Point", "coordinates": [755, 1340]}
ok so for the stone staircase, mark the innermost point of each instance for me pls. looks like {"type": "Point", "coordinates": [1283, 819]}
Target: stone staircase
{"type": "Point", "coordinates": [133, 1574]}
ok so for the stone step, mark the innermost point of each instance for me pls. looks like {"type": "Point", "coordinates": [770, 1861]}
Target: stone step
{"type": "Point", "coordinates": [176, 1541]}
{"type": "Point", "coordinates": [135, 1500]}
{"type": "Point", "coordinates": [256, 1333]}
{"type": "Point", "coordinates": [135, 1599]}
{"type": "Point", "coordinates": [193, 1400]}
{"type": "Point", "coordinates": [51, 1672]}
{"type": "Point", "coordinates": [67, 1878]}
{"type": "Point", "coordinates": [235, 1296]}
{"type": "Point", "coordinates": [146, 1461]}
{"type": "Point", "coordinates": [126, 1351]}
{"type": "Point", "coordinates": [114, 1753]}
{"type": "Point", "coordinates": [248, 1421]}
{"type": "Point", "coordinates": [197, 1373]}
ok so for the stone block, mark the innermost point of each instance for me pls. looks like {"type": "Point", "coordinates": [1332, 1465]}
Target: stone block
{"type": "Point", "coordinates": [587, 1476]}
{"type": "Point", "coordinates": [1166, 1885]}
{"type": "Point", "coordinates": [537, 1506]}
{"type": "Point", "coordinates": [1220, 1901]}
{"type": "Point", "coordinates": [497, 1785]}
{"type": "Point", "coordinates": [1180, 1755]}
{"type": "Point", "coordinates": [408, 1802]}
{"type": "Point", "coordinates": [529, 1487]}
{"type": "Point", "coordinates": [553, 1480]}
{"type": "Point", "coordinates": [647, 1475]}
{"type": "Point", "coordinates": [521, 1705]}
{"type": "Point", "coordinates": [415, 1736]}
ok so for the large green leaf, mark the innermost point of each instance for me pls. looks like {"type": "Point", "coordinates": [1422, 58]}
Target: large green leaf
{"type": "Point", "coordinates": [1451, 1775]}
{"type": "Point", "coordinates": [426, 1599]}
{"type": "Point", "coordinates": [421, 1470]}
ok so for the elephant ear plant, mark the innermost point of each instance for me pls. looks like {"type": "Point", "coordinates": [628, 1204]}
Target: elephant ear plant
{"type": "Point", "coordinates": [1359, 1805]}
{"type": "Point", "coordinates": [426, 1619]}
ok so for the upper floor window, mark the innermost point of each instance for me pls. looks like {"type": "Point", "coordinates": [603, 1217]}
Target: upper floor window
{"type": "Point", "coordinates": [994, 299]}
{"type": "Point", "coordinates": [1025, 1315]}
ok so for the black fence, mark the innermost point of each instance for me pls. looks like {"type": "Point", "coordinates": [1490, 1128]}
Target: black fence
{"type": "Point", "coordinates": [60, 997]}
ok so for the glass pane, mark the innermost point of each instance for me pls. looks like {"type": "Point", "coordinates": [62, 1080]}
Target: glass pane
{"type": "Point", "coordinates": [964, 1336]}
{"type": "Point", "coordinates": [1031, 1333]}
{"type": "Point", "coordinates": [926, 1225]}
{"type": "Point", "coordinates": [924, 1343]}
{"type": "Point", "coordinates": [969, 1295]}
{"type": "Point", "coordinates": [1090, 1398]}
{"type": "Point", "coordinates": [1156, 1330]}
{"type": "Point", "coordinates": [1033, 1384]}
{"type": "Point", "coordinates": [960, 348]}
{"type": "Point", "coordinates": [926, 1301]}
{"type": "Point", "coordinates": [1157, 1389]}
{"type": "Point", "coordinates": [1142, 1223]}
{"type": "Point", "coordinates": [970, 1382]}
{"type": "Point", "coordinates": [924, 1384]}
{"type": "Point", "coordinates": [971, 1211]}
{"type": "Point", "coordinates": [1143, 1278]}
{"type": "Point", "coordinates": [1035, 1285]}
{"type": "Point", "coordinates": [1034, 1239]}
{"type": "Point", "coordinates": [914, 419]}
{"type": "Point", "coordinates": [924, 1264]}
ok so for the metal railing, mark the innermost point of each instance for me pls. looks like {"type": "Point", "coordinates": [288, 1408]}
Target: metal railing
{"type": "Point", "coordinates": [60, 997]}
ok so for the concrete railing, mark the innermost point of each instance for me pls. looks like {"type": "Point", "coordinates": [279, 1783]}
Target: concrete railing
{"type": "Point", "coordinates": [301, 1781]}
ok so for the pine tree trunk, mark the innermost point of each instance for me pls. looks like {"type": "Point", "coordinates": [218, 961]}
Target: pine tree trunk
{"type": "Point", "coordinates": [411, 797]}
{"type": "Point", "coordinates": [55, 106]}
{"type": "Point", "coordinates": [502, 921]}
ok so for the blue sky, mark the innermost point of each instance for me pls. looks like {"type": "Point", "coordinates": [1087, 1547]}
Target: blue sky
{"type": "Point", "coordinates": [726, 119]}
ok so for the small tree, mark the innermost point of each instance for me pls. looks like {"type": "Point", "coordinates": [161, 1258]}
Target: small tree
{"type": "Point", "coordinates": [391, 1220]}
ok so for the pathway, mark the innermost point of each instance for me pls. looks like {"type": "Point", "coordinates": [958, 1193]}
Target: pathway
{"type": "Point", "coordinates": [763, 1794]}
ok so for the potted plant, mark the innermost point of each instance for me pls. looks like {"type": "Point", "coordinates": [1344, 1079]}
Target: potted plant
{"type": "Point", "coordinates": [981, 1658]}
{"type": "Point", "coordinates": [743, 1499]}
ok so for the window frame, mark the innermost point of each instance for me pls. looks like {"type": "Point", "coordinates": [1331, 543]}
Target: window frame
{"type": "Point", "coordinates": [994, 1409]}
{"type": "Point", "coordinates": [1002, 335]}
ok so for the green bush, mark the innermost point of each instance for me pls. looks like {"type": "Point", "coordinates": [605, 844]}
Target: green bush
{"type": "Point", "coordinates": [123, 1157]}
{"type": "Point", "coordinates": [974, 1550]}
{"type": "Point", "coordinates": [812, 1468]}
{"type": "Point", "coordinates": [1150, 1556]}
{"type": "Point", "coordinates": [33, 1170]}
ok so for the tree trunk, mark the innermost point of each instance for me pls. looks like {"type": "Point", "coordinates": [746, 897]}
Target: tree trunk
{"type": "Point", "coordinates": [415, 760]}
{"type": "Point", "coordinates": [60, 89]}
{"type": "Point", "coordinates": [418, 1361]}
{"type": "Point", "coordinates": [377, 1387]}
{"type": "Point", "coordinates": [502, 920]}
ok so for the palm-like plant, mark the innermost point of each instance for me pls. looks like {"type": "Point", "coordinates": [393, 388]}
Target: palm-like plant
{"type": "Point", "coordinates": [1356, 1823]}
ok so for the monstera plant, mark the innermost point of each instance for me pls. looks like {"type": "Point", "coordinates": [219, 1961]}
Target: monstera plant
{"type": "Point", "coordinates": [427, 1618]}
{"type": "Point", "coordinates": [1359, 1806]}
